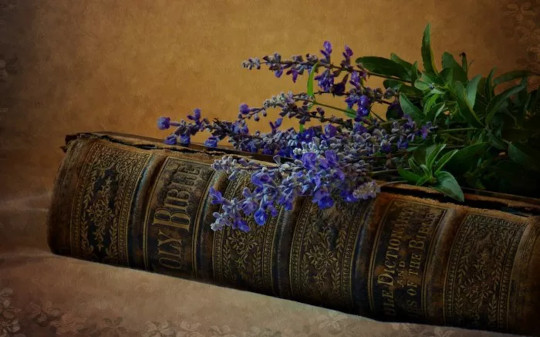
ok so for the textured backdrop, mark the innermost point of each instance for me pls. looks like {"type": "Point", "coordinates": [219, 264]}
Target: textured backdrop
{"type": "Point", "coordinates": [69, 66]}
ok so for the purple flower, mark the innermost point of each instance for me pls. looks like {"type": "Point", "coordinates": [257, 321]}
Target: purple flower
{"type": "Point", "coordinates": [327, 50]}
{"type": "Point", "coordinates": [355, 79]}
{"type": "Point", "coordinates": [242, 225]}
{"type": "Point", "coordinates": [216, 197]}
{"type": "Point", "coordinates": [185, 140]}
{"type": "Point", "coordinates": [211, 142]}
{"type": "Point", "coordinates": [330, 130]}
{"type": "Point", "coordinates": [331, 156]}
{"type": "Point", "coordinates": [309, 159]}
{"type": "Point", "coordinates": [244, 109]}
{"type": "Point", "coordinates": [323, 199]}
{"type": "Point", "coordinates": [260, 216]}
{"type": "Point", "coordinates": [348, 52]}
{"type": "Point", "coordinates": [325, 80]}
{"type": "Point", "coordinates": [196, 115]}
{"type": "Point", "coordinates": [386, 147]}
{"type": "Point", "coordinates": [364, 101]}
{"type": "Point", "coordinates": [260, 178]}
{"type": "Point", "coordinates": [360, 113]}
{"type": "Point", "coordinates": [424, 131]}
{"type": "Point", "coordinates": [164, 123]}
{"type": "Point", "coordinates": [170, 140]}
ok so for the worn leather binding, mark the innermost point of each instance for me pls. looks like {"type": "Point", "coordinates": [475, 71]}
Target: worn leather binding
{"type": "Point", "coordinates": [405, 256]}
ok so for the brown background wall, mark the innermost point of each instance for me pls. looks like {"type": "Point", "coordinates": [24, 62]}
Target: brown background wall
{"type": "Point", "coordinates": [69, 66]}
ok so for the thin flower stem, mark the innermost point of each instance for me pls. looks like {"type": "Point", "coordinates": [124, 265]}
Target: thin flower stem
{"type": "Point", "coordinates": [322, 104]}
{"type": "Point", "coordinates": [378, 117]}
{"type": "Point", "coordinates": [383, 172]}
{"type": "Point", "coordinates": [330, 106]}
{"type": "Point", "coordinates": [393, 183]}
{"type": "Point", "coordinates": [454, 137]}
{"type": "Point", "coordinates": [456, 130]}
{"type": "Point", "coordinates": [332, 66]}
{"type": "Point", "coordinates": [382, 101]}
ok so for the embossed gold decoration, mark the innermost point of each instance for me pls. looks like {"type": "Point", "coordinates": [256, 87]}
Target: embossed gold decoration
{"type": "Point", "coordinates": [103, 202]}
{"type": "Point", "coordinates": [245, 259]}
{"type": "Point", "coordinates": [479, 272]}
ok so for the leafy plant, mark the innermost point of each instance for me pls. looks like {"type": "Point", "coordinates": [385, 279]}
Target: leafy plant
{"type": "Point", "coordinates": [495, 131]}
{"type": "Point", "coordinates": [444, 129]}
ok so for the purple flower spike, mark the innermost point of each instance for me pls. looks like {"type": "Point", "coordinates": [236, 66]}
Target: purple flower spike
{"type": "Point", "coordinates": [260, 217]}
{"type": "Point", "coordinates": [327, 49]}
{"type": "Point", "coordinates": [323, 199]}
{"type": "Point", "coordinates": [211, 142]}
{"type": "Point", "coordinates": [244, 109]}
{"type": "Point", "coordinates": [364, 101]}
{"type": "Point", "coordinates": [330, 130]}
{"type": "Point", "coordinates": [185, 140]}
{"type": "Point", "coordinates": [170, 140]}
{"type": "Point", "coordinates": [348, 52]}
{"type": "Point", "coordinates": [242, 225]}
{"type": "Point", "coordinates": [164, 123]}
{"type": "Point", "coordinates": [309, 159]}
{"type": "Point", "coordinates": [216, 197]}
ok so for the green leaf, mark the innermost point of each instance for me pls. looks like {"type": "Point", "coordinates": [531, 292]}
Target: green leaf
{"type": "Point", "coordinates": [311, 76]}
{"type": "Point", "coordinates": [413, 165]}
{"type": "Point", "coordinates": [498, 101]}
{"type": "Point", "coordinates": [421, 85]}
{"type": "Point", "coordinates": [410, 109]}
{"type": "Point", "coordinates": [444, 159]}
{"type": "Point", "coordinates": [489, 87]}
{"type": "Point", "coordinates": [465, 158]}
{"type": "Point", "coordinates": [448, 62]}
{"type": "Point", "coordinates": [414, 71]}
{"type": "Point", "coordinates": [409, 176]}
{"type": "Point", "coordinates": [448, 185]}
{"type": "Point", "coordinates": [402, 88]}
{"type": "Point", "coordinates": [427, 53]}
{"type": "Point", "coordinates": [465, 107]}
{"type": "Point", "coordinates": [524, 156]}
{"type": "Point", "coordinates": [350, 113]}
{"type": "Point", "coordinates": [472, 87]}
{"type": "Point", "coordinates": [447, 75]}
{"type": "Point", "coordinates": [310, 91]}
{"type": "Point", "coordinates": [424, 179]}
{"type": "Point", "coordinates": [510, 76]}
{"type": "Point", "coordinates": [402, 62]}
{"type": "Point", "coordinates": [436, 110]}
{"type": "Point", "coordinates": [464, 64]}
{"type": "Point", "coordinates": [430, 102]}
{"type": "Point", "coordinates": [432, 152]}
{"type": "Point", "coordinates": [383, 66]}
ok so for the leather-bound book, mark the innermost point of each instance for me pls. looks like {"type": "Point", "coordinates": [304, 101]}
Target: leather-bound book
{"type": "Point", "coordinates": [407, 255]}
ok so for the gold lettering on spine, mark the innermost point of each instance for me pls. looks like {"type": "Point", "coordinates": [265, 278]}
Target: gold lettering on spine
{"type": "Point", "coordinates": [172, 214]}
{"type": "Point", "coordinates": [399, 259]}
{"type": "Point", "coordinates": [169, 250]}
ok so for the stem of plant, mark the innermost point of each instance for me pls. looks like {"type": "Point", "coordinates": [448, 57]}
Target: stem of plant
{"type": "Point", "coordinates": [457, 130]}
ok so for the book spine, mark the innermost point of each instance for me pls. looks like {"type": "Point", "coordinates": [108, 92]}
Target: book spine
{"type": "Point", "coordinates": [397, 257]}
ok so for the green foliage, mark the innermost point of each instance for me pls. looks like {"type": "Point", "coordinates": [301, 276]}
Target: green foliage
{"type": "Point", "coordinates": [310, 92]}
{"type": "Point", "coordinates": [491, 123]}
{"type": "Point", "coordinates": [425, 168]}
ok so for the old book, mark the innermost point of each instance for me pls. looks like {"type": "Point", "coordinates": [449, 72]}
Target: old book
{"type": "Point", "coordinates": [407, 255]}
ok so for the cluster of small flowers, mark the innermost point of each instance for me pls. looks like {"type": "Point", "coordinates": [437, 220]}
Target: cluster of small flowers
{"type": "Point", "coordinates": [359, 95]}
{"type": "Point", "coordinates": [336, 160]}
